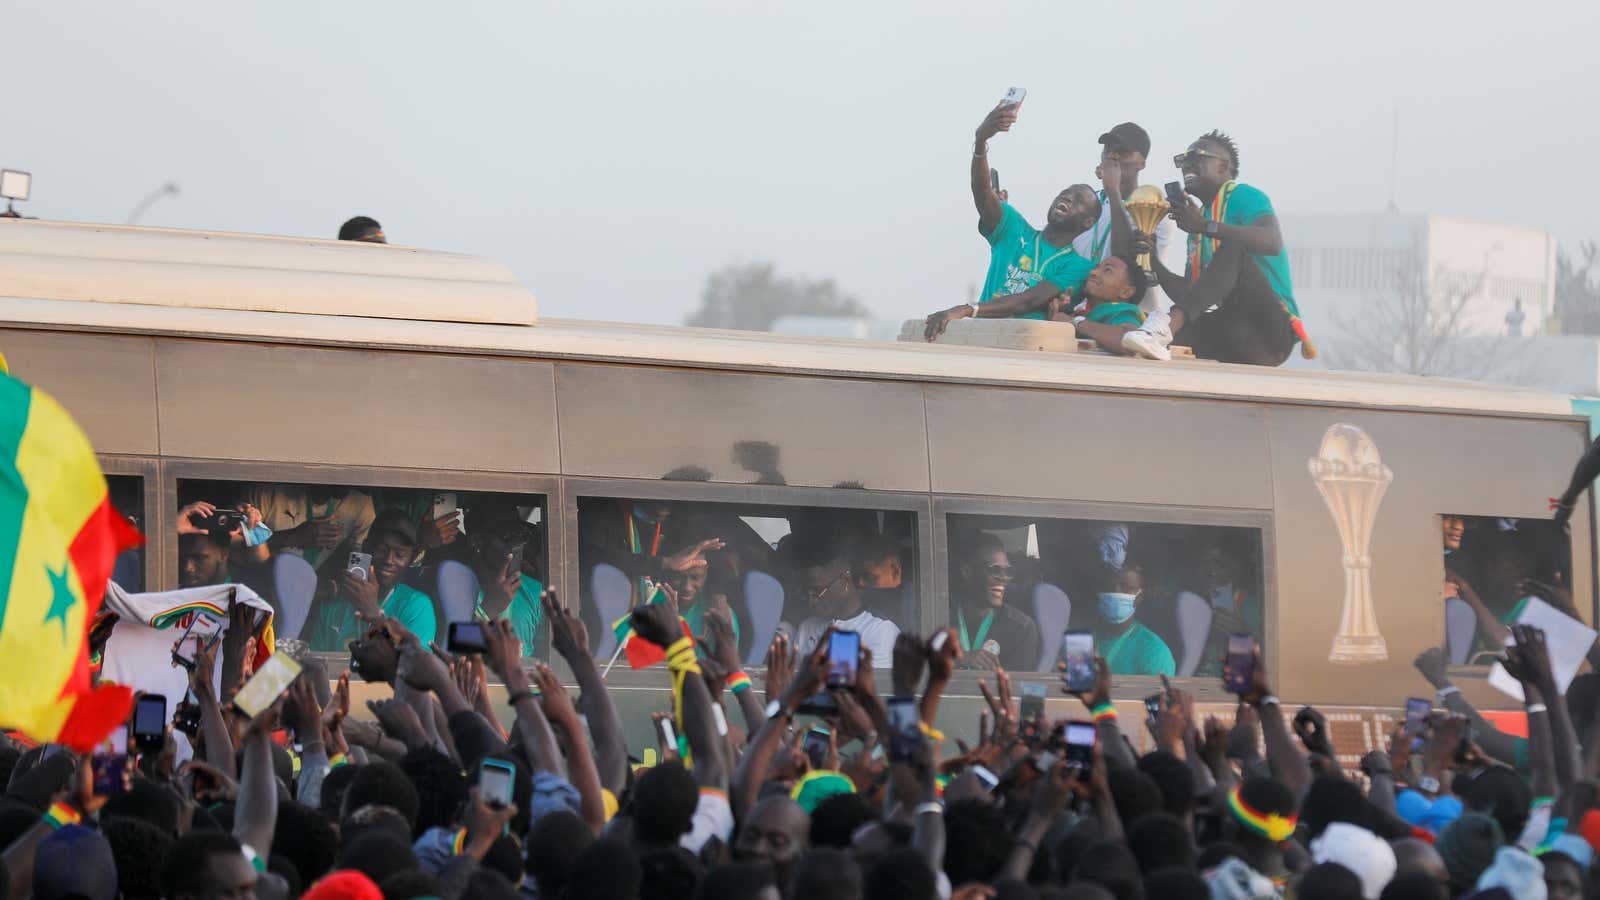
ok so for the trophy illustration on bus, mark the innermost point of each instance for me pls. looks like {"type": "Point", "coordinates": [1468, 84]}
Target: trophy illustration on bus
{"type": "Point", "coordinates": [1146, 206]}
{"type": "Point", "coordinates": [1352, 479]}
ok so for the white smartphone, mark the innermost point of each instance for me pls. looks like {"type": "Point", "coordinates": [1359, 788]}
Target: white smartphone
{"type": "Point", "coordinates": [989, 779]}
{"type": "Point", "coordinates": [360, 566]}
{"type": "Point", "coordinates": [269, 682]}
{"type": "Point", "coordinates": [1014, 97]}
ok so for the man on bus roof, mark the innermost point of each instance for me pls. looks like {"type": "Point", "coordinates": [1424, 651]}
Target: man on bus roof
{"type": "Point", "coordinates": [363, 229]}
{"type": "Point", "coordinates": [1033, 263]}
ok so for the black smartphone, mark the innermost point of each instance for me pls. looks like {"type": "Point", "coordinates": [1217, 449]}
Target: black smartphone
{"type": "Point", "coordinates": [1241, 664]}
{"type": "Point", "coordinates": [1079, 737]}
{"type": "Point", "coordinates": [905, 729]}
{"type": "Point", "coordinates": [818, 705]}
{"type": "Point", "coordinates": [994, 180]}
{"type": "Point", "coordinates": [844, 655]}
{"type": "Point", "coordinates": [1152, 704]}
{"type": "Point", "coordinates": [1418, 709]}
{"type": "Point", "coordinates": [149, 729]}
{"type": "Point", "coordinates": [110, 774]}
{"type": "Point", "coordinates": [815, 746]}
{"type": "Point", "coordinates": [186, 716]}
{"type": "Point", "coordinates": [1077, 651]}
{"type": "Point", "coordinates": [465, 637]}
{"type": "Point", "coordinates": [1176, 195]}
{"type": "Point", "coordinates": [203, 631]}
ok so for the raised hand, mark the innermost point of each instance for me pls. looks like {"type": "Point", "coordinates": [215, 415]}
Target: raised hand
{"type": "Point", "coordinates": [780, 667]}
{"type": "Point", "coordinates": [338, 707]}
{"type": "Point", "coordinates": [999, 119]}
{"type": "Point", "coordinates": [724, 645]}
{"type": "Point", "coordinates": [553, 696]}
{"type": "Point", "coordinates": [1100, 693]}
{"type": "Point", "coordinates": [399, 721]}
{"type": "Point", "coordinates": [909, 663]}
{"type": "Point", "coordinates": [421, 669]}
{"type": "Point", "coordinates": [502, 651]}
{"type": "Point", "coordinates": [1528, 660]}
{"type": "Point", "coordinates": [362, 592]}
{"type": "Point", "coordinates": [199, 509]}
{"type": "Point", "coordinates": [1312, 728]}
{"type": "Point", "coordinates": [568, 635]}
{"type": "Point", "coordinates": [692, 556]}
{"type": "Point", "coordinates": [658, 622]}
{"type": "Point", "coordinates": [942, 655]}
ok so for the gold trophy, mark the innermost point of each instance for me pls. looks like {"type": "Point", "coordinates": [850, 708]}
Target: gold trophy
{"type": "Point", "coordinates": [1352, 479]}
{"type": "Point", "coordinates": [1146, 206]}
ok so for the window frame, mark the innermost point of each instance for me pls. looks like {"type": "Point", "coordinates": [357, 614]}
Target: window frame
{"type": "Point", "coordinates": [155, 538]}
{"type": "Point", "coordinates": [1125, 687]}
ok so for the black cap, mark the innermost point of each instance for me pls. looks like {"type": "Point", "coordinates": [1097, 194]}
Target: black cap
{"type": "Point", "coordinates": [396, 521]}
{"type": "Point", "coordinates": [1127, 136]}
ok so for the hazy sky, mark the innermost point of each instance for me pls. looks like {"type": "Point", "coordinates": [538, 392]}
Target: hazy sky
{"type": "Point", "coordinates": [613, 153]}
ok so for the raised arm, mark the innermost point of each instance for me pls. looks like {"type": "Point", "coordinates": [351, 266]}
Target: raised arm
{"type": "Point", "coordinates": [217, 739]}
{"type": "Point", "coordinates": [1121, 224]}
{"type": "Point", "coordinates": [1529, 661]}
{"type": "Point", "coordinates": [659, 623]}
{"type": "Point", "coordinates": [1261, 238]}
{"type": "Point", "coordinates": [256, 814]}
{"type": "Point", "coordinates": [570, 639]}
{"type": "Point", "coordinates": [725, 650]}
{"type": "Point", "coordinates": [1493, 741]}
{"type": "Point", "coordinates": [990, 207]}
{"type": "Point", "coordinates": [752, 768]}
{"type": "Point", "coordinates": [558, 709]}
{"type": "Point", "coordinates": [504, 658]}
{"type": "Point", "coordinates": [1098, 702]}
{"type": "Point", "coordinates": [1284, 758]}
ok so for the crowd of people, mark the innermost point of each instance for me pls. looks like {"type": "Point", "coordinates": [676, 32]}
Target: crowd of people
{"type": "Point", "coordinates": [304, 799]}
{"type": "Point", "coordinates": [1217, 278]}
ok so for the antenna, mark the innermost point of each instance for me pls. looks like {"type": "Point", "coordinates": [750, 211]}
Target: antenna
{"type": "Point", "coordinates": [1394, 159]}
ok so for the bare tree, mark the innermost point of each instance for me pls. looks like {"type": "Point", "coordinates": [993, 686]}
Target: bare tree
{"type": "Point", "coordinates": [1577, 292]}
{"type": "Point", "coordinates": [1419, 327]}
{"type": "Point", "coordinates": [751, 296]}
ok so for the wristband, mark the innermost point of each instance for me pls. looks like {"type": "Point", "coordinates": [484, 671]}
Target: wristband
{"type": "Point", "coordinates": [681, 656]}
{"type": "Point", "coordinates": [337, 760]}
{"type": "Point", "coordinates": [256, 862]}
{"type": "Point", "coordinates": [931, 732]}
{"type": "Point", "coordinates": [1106, 711]}
{"type": "Point", "coordinates": [932, 806]}
{"type": "Point", "coordinates": [1537, 708]}
{"type": "Point", "coordinates": [1269, 700]}
{"type": "Point", "coordinates": [61, 814]}
{"type": "Point", "coordinates": [737, 682]}
{"type": "Point", "coordinates": [519, 696]}
{"type": "Point", "coordinates": [459, 844]}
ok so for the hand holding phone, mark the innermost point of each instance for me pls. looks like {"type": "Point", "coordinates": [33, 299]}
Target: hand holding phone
{"type": "Point", "coordinates": [905, 729]}
{"type": "Point", "coordinates": [466, 637]}
{"type": "Point", "coordinates": [1176, 196]}
{"type": "Point", "coordinates": [1079, 738]}
{"type": "Point", "coordinates": [1077, 653]}
{"type": "Point", "coordinates": [149, 730]}
{"type": "Point", "coordinates": [496, 780]}
{"type": "Point", "coordinates": [844, 658]}
{"type": "Point", "coordinates": [1014, 97]}
{"type": "Point", "coordinates": [267, 685]}
{"type": "Point", "coordinates": [1241, 674]}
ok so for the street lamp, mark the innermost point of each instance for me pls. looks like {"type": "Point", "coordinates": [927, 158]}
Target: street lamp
{"type": "Point", "coordinates": [14, 186]}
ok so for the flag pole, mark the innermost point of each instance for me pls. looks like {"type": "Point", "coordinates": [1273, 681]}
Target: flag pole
{"type": "Point", "coordinates": [607, 672]}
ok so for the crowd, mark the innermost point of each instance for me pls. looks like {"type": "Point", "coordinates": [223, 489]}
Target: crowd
{"type": "Point", "coordinates": [442, 797]}
{"type": "Point", "coordinates": [1224, 290]}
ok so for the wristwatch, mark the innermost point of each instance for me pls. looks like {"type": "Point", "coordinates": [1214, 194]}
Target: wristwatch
{"type": "Point", "coordinates": [775, 709]}
{"type": "Point", "coordinates": [974, 308]}
{"type": "Point", "coordinates": [1211, 229]}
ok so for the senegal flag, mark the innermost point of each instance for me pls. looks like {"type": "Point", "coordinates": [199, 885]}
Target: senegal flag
{"type": "Point", "coordinates": [58, 538]}
{"type": "Point", "coordinates": [641, 653]}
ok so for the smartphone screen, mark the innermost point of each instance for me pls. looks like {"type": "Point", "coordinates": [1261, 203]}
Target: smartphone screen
{"type": "Point", "coordinates": [110, 773]}
{"type": "Point", "coordinates": [1152, 704]}
{"type": "Point", "coordinates": [1032, 702]}
{"type": "Point", "coordinates": [360, 565]}
{"type": "Point", "coordinates": [465, 637]}
{"type": "Point", "coordinates": [1417, 711]}
{"type": "Point", "coordinates": [818, 705]}
{"type": "Point", "coordinates": [202, 632]}
{"type": "Point", "coordinates": [1241, 664]}
{"type": "Point", "coordinates": [1077, 651]}
{"type": "Point", "coordinates": [667, 734]}
{"type": "Point", "coordinates": [989, 779]}
{"type": "Point", "coordinates": [269, 682]}
{"type": "Point", "coordinates": [1080, 739]}
{"type": "Point", "coordinates": [815, 746]}
{"type": "Point", "coordinates": [495, 781]}
{"type": "Point", "coordinates": [844, 654]}
{"type": "Point", "coordinates": [149, 729]}
{"type": "Point", "coordinates": [1175, 195]}
{"type": "Point", "coordinates": [905, 729]}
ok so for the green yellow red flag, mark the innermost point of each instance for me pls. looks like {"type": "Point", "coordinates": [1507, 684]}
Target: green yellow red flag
{"type": "Point", "coordinates": [59, 536]}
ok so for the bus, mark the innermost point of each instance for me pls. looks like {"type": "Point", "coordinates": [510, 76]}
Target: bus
{"type": "Point", "coordinates": [1320, 512]}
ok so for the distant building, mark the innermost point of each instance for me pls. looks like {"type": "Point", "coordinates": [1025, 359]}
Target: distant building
{"type": "Point", "coordinates": [1344, 262]}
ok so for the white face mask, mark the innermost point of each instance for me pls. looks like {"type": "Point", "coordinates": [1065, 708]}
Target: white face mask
{"type": "Point", "coordinates": [1116, 608]}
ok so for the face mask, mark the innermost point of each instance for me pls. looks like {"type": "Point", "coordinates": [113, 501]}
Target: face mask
{"type": "Point", "coordinates": [1116, 608]}
{"type": "Point", "coordinates": [257, 536]}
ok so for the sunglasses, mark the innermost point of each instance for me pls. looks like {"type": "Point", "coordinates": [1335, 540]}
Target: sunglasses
{"type": "Point", "coordinates": [1195, 156]}
{"type": "Point", "coordinates": [998, 571]}
{"type": "Point", "coordinates": [814, 594]}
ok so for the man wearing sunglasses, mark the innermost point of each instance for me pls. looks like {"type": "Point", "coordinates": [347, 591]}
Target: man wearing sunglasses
{"type": "Point", "coordinates": [1027, 266]}
{"type": "Point", "coordinates": [822, 565]}
{"type": "Point", "coordinates": [992, 632]}
{"type": "Point", "coordinates": [1234, 302]}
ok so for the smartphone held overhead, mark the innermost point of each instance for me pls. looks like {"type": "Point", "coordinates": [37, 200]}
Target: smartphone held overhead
{"type": "Point", "coordinates": [1241, 664]}
{"type": "Point", "coordinates": [1077, 653]}
{"type": "Point", "coordinates": [267, 685]}
{"type": "Point", "coordinates": [465, 637]}
{"type": "Point", "coordinates": [844, 657]}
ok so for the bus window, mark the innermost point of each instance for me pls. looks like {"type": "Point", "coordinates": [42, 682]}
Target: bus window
{"type": "Point", "coordinates": [1158, 598]}
{"type": "Point", "coordinates": [1492, 567]}
{"type": "Point", "coordinates": [127, 498]}
{"type": "Point", "coordinates": [789, 568]}
{"type": "Point", "coordinates": [321, 552]}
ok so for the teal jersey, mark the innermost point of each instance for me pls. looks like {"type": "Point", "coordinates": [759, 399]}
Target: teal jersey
{"type": "Point", "coordinates": [525, 612]}
{"type": "Point", "coordinates": [1139, 651]}
{"type": "Point", "coordinates": [334, 625]}
{"type": "Point", "coordinates": [1247, 205]}
{"type": "Point", "coordinates": [1116, 314]}
{"type": "Point", "coordinates": [1019, 259]}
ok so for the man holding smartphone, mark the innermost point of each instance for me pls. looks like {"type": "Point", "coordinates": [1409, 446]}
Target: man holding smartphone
{"type": "Point", "coordinates": [835, 600]}
{"type": "Point", "coordinates": [392, 543]}
{"type": "Point", "coordinates": [1027, 266]}
{"type": "Point", "coordinates": [1234, 301]}
{"type": "Point", "coordinates": [499, 544]}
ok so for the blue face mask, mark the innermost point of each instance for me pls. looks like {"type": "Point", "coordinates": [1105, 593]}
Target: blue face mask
{"type": "Point", "coordinates": [1116, 608]}
{"type": "Point", "coordinates": [257, 536]}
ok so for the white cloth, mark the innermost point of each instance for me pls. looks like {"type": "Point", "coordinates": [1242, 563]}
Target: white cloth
{"type": "Point", "coordinates": [1370, 857]}
{"type": "Point", "coordinates": [140, 655]}
{"type": "Point", "coordinates": [1520, 874]}
{"type": "Point", "coordinates": [876, 634]}
{"type": "Point", "coordinates": [1172, 246]}
{"type": "Point", "coordinates": [713, 818]}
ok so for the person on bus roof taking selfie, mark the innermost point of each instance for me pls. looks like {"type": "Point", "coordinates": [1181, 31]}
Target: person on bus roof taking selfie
{"type": "Point", "coordinates": [1234, 301]}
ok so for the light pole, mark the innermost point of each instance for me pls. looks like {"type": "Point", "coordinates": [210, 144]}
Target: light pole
{"type": "Point", "coordinates": [170, 189]}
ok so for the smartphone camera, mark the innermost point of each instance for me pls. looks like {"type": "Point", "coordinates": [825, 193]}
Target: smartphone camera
{"type": "Point", "coordinates": [110, 774]}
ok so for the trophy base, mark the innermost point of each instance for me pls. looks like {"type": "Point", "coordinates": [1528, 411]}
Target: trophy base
{"type": "Point", "coordinates": [1350, 648]}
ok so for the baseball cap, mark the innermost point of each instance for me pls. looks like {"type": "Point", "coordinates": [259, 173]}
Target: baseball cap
{"type": "Point", "coordinates": [1127, 136]}
{"type": "Point", "coordinates": [395, 520]}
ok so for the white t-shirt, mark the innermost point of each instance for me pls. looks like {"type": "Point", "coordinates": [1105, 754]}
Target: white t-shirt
{"type": "Point", "coordinates": [1171, 245]}
{"type": "Point", "coordinates": [877, 635]}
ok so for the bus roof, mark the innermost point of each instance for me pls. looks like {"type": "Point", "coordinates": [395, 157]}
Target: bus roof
{"type": "Point", "coordinates": [312, 292]}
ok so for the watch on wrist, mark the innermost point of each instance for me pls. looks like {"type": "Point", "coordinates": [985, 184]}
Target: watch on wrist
{"type": "Point", "coordinates": [775, 709]}
{"type": "Point", "coordinates": [1211, 229]}
{"type": "Point", "coordinates": [974, 308]}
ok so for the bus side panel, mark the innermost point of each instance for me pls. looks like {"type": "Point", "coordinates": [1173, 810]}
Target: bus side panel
{"type": "Point", "coordinates": [1054, 445]}
{"type": "Point", "coordinates": [1441, 464]}
{"type": "Point", "coordinates": [349, 407]}
{"type": "Point", "coordinates": [107, 383]}
{"type": "Point", "coordinates": [636, 422]}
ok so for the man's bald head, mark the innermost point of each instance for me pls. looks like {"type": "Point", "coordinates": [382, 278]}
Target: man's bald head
{"type": "Point", "coordinates": [1417, 855]}
{"type": "Point", "coordinates": [777, 830]}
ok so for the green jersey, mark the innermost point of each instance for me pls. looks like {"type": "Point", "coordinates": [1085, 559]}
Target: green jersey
{"type": "Point", "coordinates": [1020, 258]}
